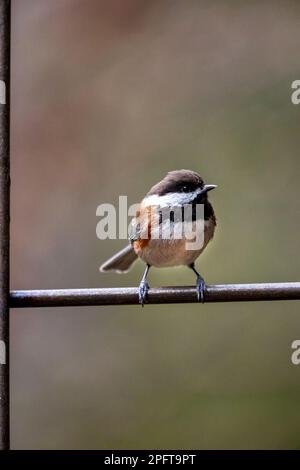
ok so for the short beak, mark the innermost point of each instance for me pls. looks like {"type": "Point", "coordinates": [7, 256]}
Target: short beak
{"type": "Point", "coordinates": [209, 187]}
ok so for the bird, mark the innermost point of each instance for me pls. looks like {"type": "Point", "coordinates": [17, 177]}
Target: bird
{"type": "Point", "coordinates": [153, 234]}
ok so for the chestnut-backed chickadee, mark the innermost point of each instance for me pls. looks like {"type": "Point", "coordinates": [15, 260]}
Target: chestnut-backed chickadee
{"type": "Point", "coordinates": [178, 189]}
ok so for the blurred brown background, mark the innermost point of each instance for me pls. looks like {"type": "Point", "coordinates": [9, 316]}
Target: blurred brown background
{"type": "Point", "coordinates": [107, 96]}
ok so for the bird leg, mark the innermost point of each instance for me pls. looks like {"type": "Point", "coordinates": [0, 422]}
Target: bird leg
{"type": "Point", "coordinates": [200, 284]}
{"type": "Point", "coordinates": [144, 287]}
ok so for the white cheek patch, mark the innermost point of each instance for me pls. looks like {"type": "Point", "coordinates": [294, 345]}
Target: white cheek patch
{"type": "Point", "coordinates": [171, 199]}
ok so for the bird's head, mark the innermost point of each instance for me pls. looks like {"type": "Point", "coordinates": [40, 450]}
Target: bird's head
{"type": "Point", "coordinates": [179, 187]}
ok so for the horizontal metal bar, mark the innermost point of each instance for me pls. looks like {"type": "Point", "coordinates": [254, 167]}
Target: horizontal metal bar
{"type": "Point", "coordinates": [161, 295]}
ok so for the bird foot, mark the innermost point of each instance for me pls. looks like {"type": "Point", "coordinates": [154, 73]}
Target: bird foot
{"type": "Point", "coordinates": [143, 292]}
{"type": "Point", "coordinates": [201, 288]}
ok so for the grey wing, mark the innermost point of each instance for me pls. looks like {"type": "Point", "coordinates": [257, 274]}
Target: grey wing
{"type": "Point", "coordinates": [134, 230]}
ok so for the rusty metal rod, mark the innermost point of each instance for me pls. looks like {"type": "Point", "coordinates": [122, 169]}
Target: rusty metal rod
{"type": "Point", "coordinates": [4, 220]}
{"type": "Point", "coordinates": [161, 295]}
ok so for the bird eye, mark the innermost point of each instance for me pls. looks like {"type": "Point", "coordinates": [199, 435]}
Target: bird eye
{"type": "Point", "coordinates": [183, 189]}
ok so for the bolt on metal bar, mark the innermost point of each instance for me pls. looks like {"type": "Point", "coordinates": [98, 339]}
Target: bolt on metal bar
{"type": "Point", "coordinates": [162, 295]}
{"type": "Point", "coordinates": [4, 219]}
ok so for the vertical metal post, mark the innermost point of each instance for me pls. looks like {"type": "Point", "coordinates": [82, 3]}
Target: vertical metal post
{"type": "Point", "coordinates": [4, 219]}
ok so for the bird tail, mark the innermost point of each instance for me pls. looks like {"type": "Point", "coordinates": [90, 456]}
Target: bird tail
{"type": "Point", "coordinates": [120, 262]}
